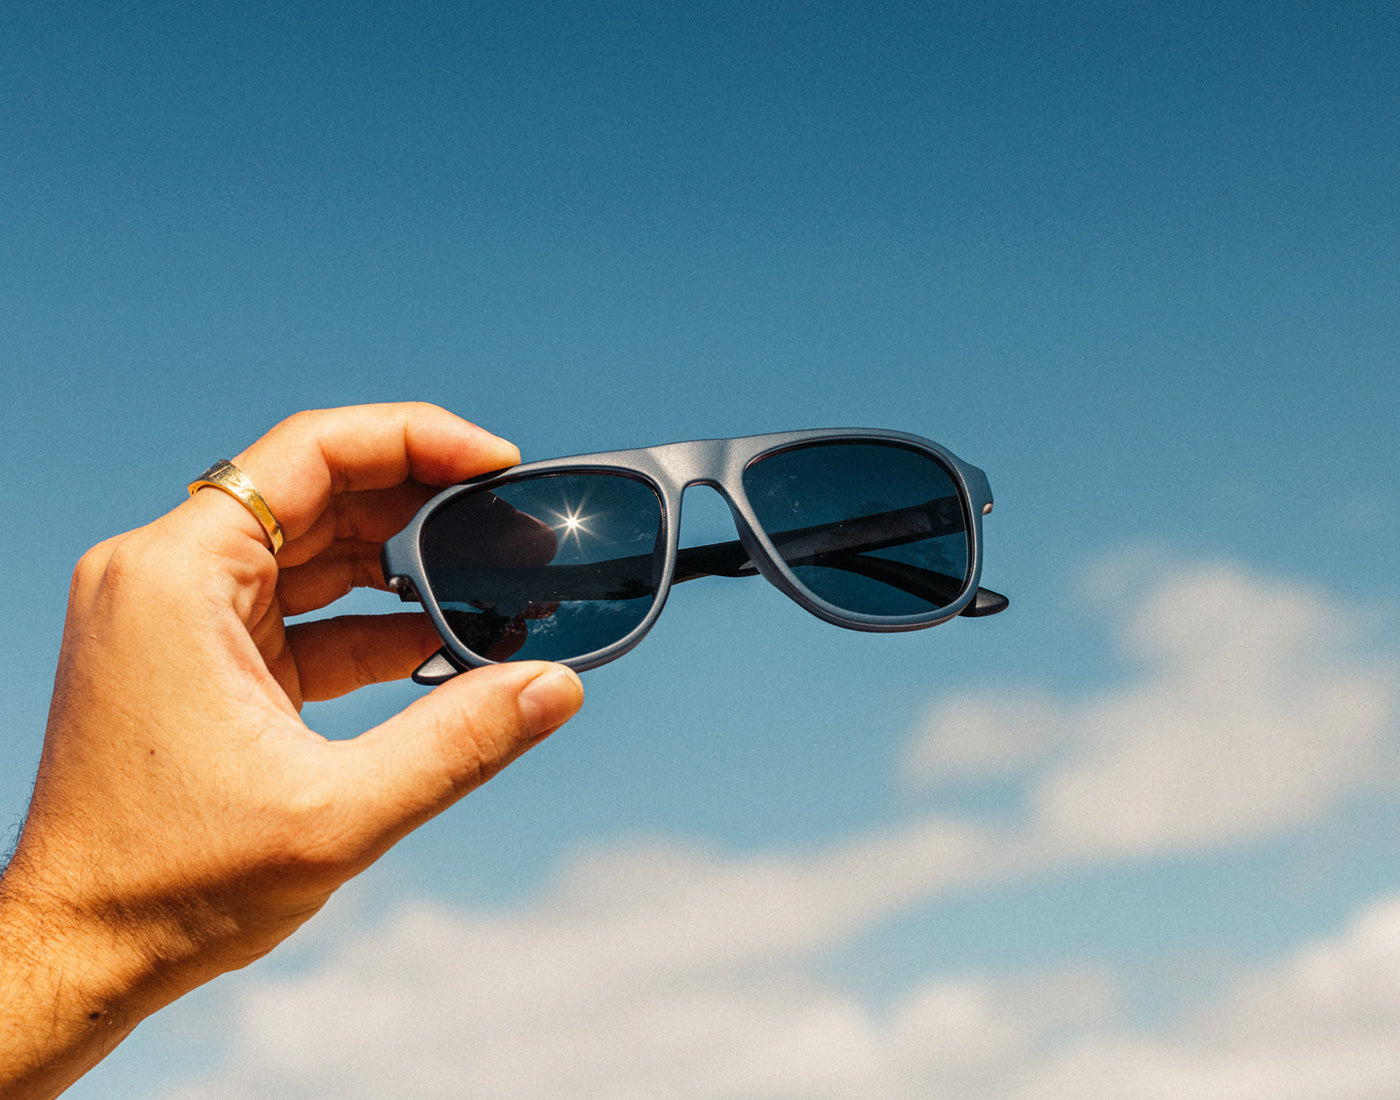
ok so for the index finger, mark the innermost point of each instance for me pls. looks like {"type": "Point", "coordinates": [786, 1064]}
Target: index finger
{"type": "Point", "coordinates": [311, 456]}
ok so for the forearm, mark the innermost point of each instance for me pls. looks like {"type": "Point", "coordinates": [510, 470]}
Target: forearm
{"type": "Point", "coordinates": [68, 994]}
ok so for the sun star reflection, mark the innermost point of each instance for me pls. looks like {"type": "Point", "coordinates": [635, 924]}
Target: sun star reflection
{"type": "Point", "coordinates": [572, 524]}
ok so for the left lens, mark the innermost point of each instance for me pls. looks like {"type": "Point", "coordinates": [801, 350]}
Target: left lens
{"type": "Point", "coordinates": [871, 528]}
{"type": "Point", "coordinates": [547, 567]}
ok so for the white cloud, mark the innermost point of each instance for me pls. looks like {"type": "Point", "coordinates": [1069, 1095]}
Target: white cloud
{"type": "Point", "coordinates": [1324, 1024]}
{"type": "Point", "coordinates": [650, 971]}
{"type": "Point", "coordinates": [973, 736]}
{"type": "Point", "coordinates": [656, 969]}
{"type": "Point", "coordinates": [1249, 711]}
{"type": "Point", "coordinates": [422, 1006]}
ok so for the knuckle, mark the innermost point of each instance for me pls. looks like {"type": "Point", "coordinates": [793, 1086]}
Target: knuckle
{"type": "Point", "coordinates": [303, 421]}
{"type": "Point", "coordinates": [116, 562]}
{"type": "Point", "coordinates": [93, 564]}
{"type": "Point", "coordinates": [463, 764]}
{"type": "Point", "coordinates": [366, 570]}
{"type": "Point", "coordinates": [309, 832]}
{"type": "Point", "coordinates": [366, 667]}
{"type": "Point", "coordinates": [480, 751]}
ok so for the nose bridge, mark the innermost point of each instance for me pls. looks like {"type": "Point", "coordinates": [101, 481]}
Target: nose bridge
{"type": "Point", "coordinates": [698, 462]}
{"type": "Point", "coordinates": [705, 515]}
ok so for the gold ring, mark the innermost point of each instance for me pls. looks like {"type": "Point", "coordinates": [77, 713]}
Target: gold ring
{"type": "Point", "coordinates": [230, 479]}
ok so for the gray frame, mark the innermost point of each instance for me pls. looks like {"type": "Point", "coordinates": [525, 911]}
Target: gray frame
{"type": "Point", "coordinates": [670, 469]}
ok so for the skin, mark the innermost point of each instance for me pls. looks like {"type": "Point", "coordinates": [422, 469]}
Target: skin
{"type": "Point", "coordinates": [185, 820]}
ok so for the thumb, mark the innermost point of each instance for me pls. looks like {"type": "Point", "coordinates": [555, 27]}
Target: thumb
{"type": "Point", "coordinates": [426, 757]}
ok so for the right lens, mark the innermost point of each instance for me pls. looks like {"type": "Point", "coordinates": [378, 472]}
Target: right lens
{"type": "Point", "coordinates": [878, 529]}
{"type": "Point", "coordinates": [547, 567]}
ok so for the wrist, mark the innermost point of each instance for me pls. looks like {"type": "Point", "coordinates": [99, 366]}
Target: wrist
{"type": "Point", "coordinates": [70, 990]}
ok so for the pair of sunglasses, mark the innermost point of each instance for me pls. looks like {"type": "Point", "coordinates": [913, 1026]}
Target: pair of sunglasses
{"type": "Point", "coordinates": [571, 559]}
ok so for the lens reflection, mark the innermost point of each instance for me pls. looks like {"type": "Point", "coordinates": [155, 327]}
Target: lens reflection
{"type": "Point", "coordinates": [876, 529]}
{"type": "Point", "coordinates": [548, 567]}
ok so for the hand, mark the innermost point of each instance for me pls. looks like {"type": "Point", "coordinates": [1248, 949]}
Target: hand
{"type": "Point", "coordinates": [185, 820]}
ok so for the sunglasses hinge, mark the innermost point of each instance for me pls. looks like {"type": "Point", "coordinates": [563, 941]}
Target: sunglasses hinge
{"type": "Point", "coordinates": [403, 587]}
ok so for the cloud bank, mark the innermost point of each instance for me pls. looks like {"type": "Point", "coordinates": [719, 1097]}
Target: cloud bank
{"type": "Point", "coordinates": [1252, 710]}
{"type": "Point", "coordinates": [652, 968]}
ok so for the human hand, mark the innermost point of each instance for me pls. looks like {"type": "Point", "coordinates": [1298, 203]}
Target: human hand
{"type": "Point", "coordinates": [185, 820]}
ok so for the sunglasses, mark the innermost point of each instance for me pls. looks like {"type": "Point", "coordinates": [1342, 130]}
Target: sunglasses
{"type": "Point", "coordinates": [571, 559]}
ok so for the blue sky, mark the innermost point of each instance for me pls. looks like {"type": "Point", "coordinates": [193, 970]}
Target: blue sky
{"type": "Point", "coordinates": [1139, 262]}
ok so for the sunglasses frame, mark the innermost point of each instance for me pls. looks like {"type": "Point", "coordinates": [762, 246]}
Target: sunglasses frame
{"type": "Point", "coordinates": [669, 469]}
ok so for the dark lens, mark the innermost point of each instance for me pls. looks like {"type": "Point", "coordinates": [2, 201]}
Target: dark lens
{"type": "Point", "coordinates": [546, 568]}
{"type": "Point", "coordinates": [872, 528]}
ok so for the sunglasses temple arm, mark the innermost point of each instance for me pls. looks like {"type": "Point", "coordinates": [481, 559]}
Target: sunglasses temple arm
{"type": "Point", "coordinates": [723, 557]}
{"type": "Point", "coordinates": [861, 533]}
{"type": "Point", "coordinates": [729, 559]}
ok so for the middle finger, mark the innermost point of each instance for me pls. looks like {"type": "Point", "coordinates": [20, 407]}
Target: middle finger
{"type": "Point", "coordinates": [343, 565]}
{"type": "Point", "coordinates": [372, 515]}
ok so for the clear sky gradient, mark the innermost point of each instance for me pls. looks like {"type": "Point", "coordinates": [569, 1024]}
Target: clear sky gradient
{"type": "Point", "coordinates": [1141, 262]}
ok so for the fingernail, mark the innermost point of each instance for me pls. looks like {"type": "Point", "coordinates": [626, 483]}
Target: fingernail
{"type": "Point", "coordinates": [550, 699]}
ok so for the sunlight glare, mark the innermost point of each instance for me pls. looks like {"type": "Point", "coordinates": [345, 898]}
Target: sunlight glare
{"type": "Point", "coordinates": [573, 524]}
